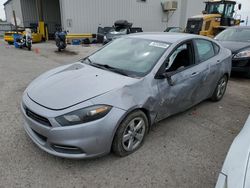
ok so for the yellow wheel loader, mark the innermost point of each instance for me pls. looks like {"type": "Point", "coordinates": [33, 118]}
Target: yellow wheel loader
{"type": "Point", "coordinates": [217, 16]}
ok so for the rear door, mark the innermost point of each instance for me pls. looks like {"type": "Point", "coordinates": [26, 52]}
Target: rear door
{"type": "Point", "coordinates": [208, 58]}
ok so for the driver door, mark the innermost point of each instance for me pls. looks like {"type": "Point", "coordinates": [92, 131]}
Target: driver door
{"type": "Point", "coordinates": [181, 91]}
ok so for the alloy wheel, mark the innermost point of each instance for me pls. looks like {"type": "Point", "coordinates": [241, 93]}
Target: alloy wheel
{"type": "Point", "coordinates": [133, 134]}
{"type": "Point", "coordinates": [221, 87]}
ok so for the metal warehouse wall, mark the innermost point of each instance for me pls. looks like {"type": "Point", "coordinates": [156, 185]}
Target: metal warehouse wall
{"type": "Point", "coordinates": [29, 12]}
{"type": "Point", "coordinates": [194, 7]}
{"type": "Point", "coordinates": [51, 12]}
{"type": "Point", "coordinates": [16, 6]}
{"type": "Point", "coordinates": [80, 16]}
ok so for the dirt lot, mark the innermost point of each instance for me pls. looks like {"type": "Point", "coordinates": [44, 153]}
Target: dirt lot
{"type": "Point", "coordinates": [186, 150]}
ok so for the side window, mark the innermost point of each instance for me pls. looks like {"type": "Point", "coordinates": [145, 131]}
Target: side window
{"type": "Point", "coordinates": [205, 49]}
{"type": "Point", "coordinates": [180, 58]}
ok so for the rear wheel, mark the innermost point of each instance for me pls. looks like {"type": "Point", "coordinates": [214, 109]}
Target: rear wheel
{"type": "Point", "coordinates": [130, 134]}
{"type": "Point", "coordinates": [220, 89]}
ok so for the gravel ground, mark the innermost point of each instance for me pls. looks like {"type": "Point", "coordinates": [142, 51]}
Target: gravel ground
{"type": "Point", "coordinates": [186, 150]}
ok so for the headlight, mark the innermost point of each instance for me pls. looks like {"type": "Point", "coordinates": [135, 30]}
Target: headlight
{"type": "Point", "coordinates": [218, 19]}
{"type": "Point", "coordinates": [105, 38]}
{"type": "Point", "coordinates": [243, 54]}
{"type": "Point", "coordinates": [84, 115]}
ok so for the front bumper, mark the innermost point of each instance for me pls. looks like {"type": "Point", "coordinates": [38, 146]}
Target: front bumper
{"type": "Point", "coordinates": [86, 140]}
{"type": "Point", "coordinates": [241, 65]}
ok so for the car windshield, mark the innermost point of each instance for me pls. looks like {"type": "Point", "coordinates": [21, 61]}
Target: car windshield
{"type": "Point", "coordinates": [136, 57]}
{"type": "Point", "coordinates": [234, 34]}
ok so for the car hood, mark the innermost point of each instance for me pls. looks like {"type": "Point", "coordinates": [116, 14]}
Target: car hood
{"type": "Point", "coordinates": [73, 84]}
{"type": "Point", "coordinates": [236, 165]}
{"type": "Point", "coordinates": [234, 46]}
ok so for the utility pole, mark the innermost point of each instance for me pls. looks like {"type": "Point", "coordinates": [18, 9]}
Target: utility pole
{"type": "Point", "coordinates": [14, 17]}
{"type": "Point", "coordinates": [247, 21]}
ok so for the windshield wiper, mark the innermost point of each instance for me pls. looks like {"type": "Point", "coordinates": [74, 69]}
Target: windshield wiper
{"type": "Point", "coordinates": [107, 67]}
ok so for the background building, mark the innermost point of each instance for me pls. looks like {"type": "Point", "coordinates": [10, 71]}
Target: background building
{"type": "Point", "coordinates": [84, 16]}
{"type": "Point", "coordinates": [27, 13]}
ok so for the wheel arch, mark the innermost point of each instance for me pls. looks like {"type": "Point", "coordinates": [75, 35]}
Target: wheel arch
{"type": "Point", "coordinates": [146, 111]}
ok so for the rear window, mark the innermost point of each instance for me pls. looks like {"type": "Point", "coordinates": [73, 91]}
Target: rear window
{"type": "Point", "coordinates": [205, 49]}
{"type": "Point", "coordinates": [234, 34]}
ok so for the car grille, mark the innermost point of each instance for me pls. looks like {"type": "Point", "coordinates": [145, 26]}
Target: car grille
{"type": "Point", "coordinates": [36, 117]}
{"type": "Point", "coordinates": [194, 26]}
{"type": "Point", "coordinates": [43, 138]}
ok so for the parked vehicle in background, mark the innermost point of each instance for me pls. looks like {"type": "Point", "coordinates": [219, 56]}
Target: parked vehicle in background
{"type": "Point", "coordinates": [174, 29]}
{"type": "Point", "coordinates": [237, 39]}
{"type": "Point", "coordinates": [218, 15]}
{"type": "Point", "coordinates": [101, 32]}
{"type": "Point", "coordinates": [120, 28]}
{"type": "Point", "coordinates": [110, 99]}
{"type": "Point", "coordinates": [60, 38]}
{"type": "Point", "coordinates": [236, 168]}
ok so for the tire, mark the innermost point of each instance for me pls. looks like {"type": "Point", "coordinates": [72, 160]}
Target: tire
{"type": "Point", "coordinates": [127, 138]}
{"type": "Point", "coordinates": [220, 89]}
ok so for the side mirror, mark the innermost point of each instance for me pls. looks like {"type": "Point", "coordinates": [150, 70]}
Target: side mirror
{"type": "Point", "coordinates": [166, 75]}
{"type": "Point", "coordinates": [239, 6]}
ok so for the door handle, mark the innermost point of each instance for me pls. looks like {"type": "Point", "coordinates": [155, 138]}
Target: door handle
{"type": "Point", "coordinates": [194, 74]}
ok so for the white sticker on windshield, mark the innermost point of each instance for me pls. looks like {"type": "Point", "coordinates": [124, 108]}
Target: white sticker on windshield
{"type": "Point", "coordinates": [159, 45]}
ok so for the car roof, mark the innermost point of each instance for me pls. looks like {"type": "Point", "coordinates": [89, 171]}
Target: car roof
{"type": "Point", "coordinates": [165, 37]}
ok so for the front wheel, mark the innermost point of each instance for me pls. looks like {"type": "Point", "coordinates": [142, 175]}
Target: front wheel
{"type": "Point", "coordinates": [220, 89]}
{"type": "Point", "coordinates": [130, 134]}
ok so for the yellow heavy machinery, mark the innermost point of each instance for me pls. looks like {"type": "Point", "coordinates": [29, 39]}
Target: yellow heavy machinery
{"type": "Point", "coordinates": [38, 35]}
{"type": "Point", "coordinates": [217, 16]}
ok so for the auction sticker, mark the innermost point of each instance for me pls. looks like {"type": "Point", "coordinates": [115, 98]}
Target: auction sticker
{"type": "Point", "coordinates": [159, 45]}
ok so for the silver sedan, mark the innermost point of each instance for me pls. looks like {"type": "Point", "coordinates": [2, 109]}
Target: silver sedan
{"type": "Point", "coordinates": [110, 99]}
